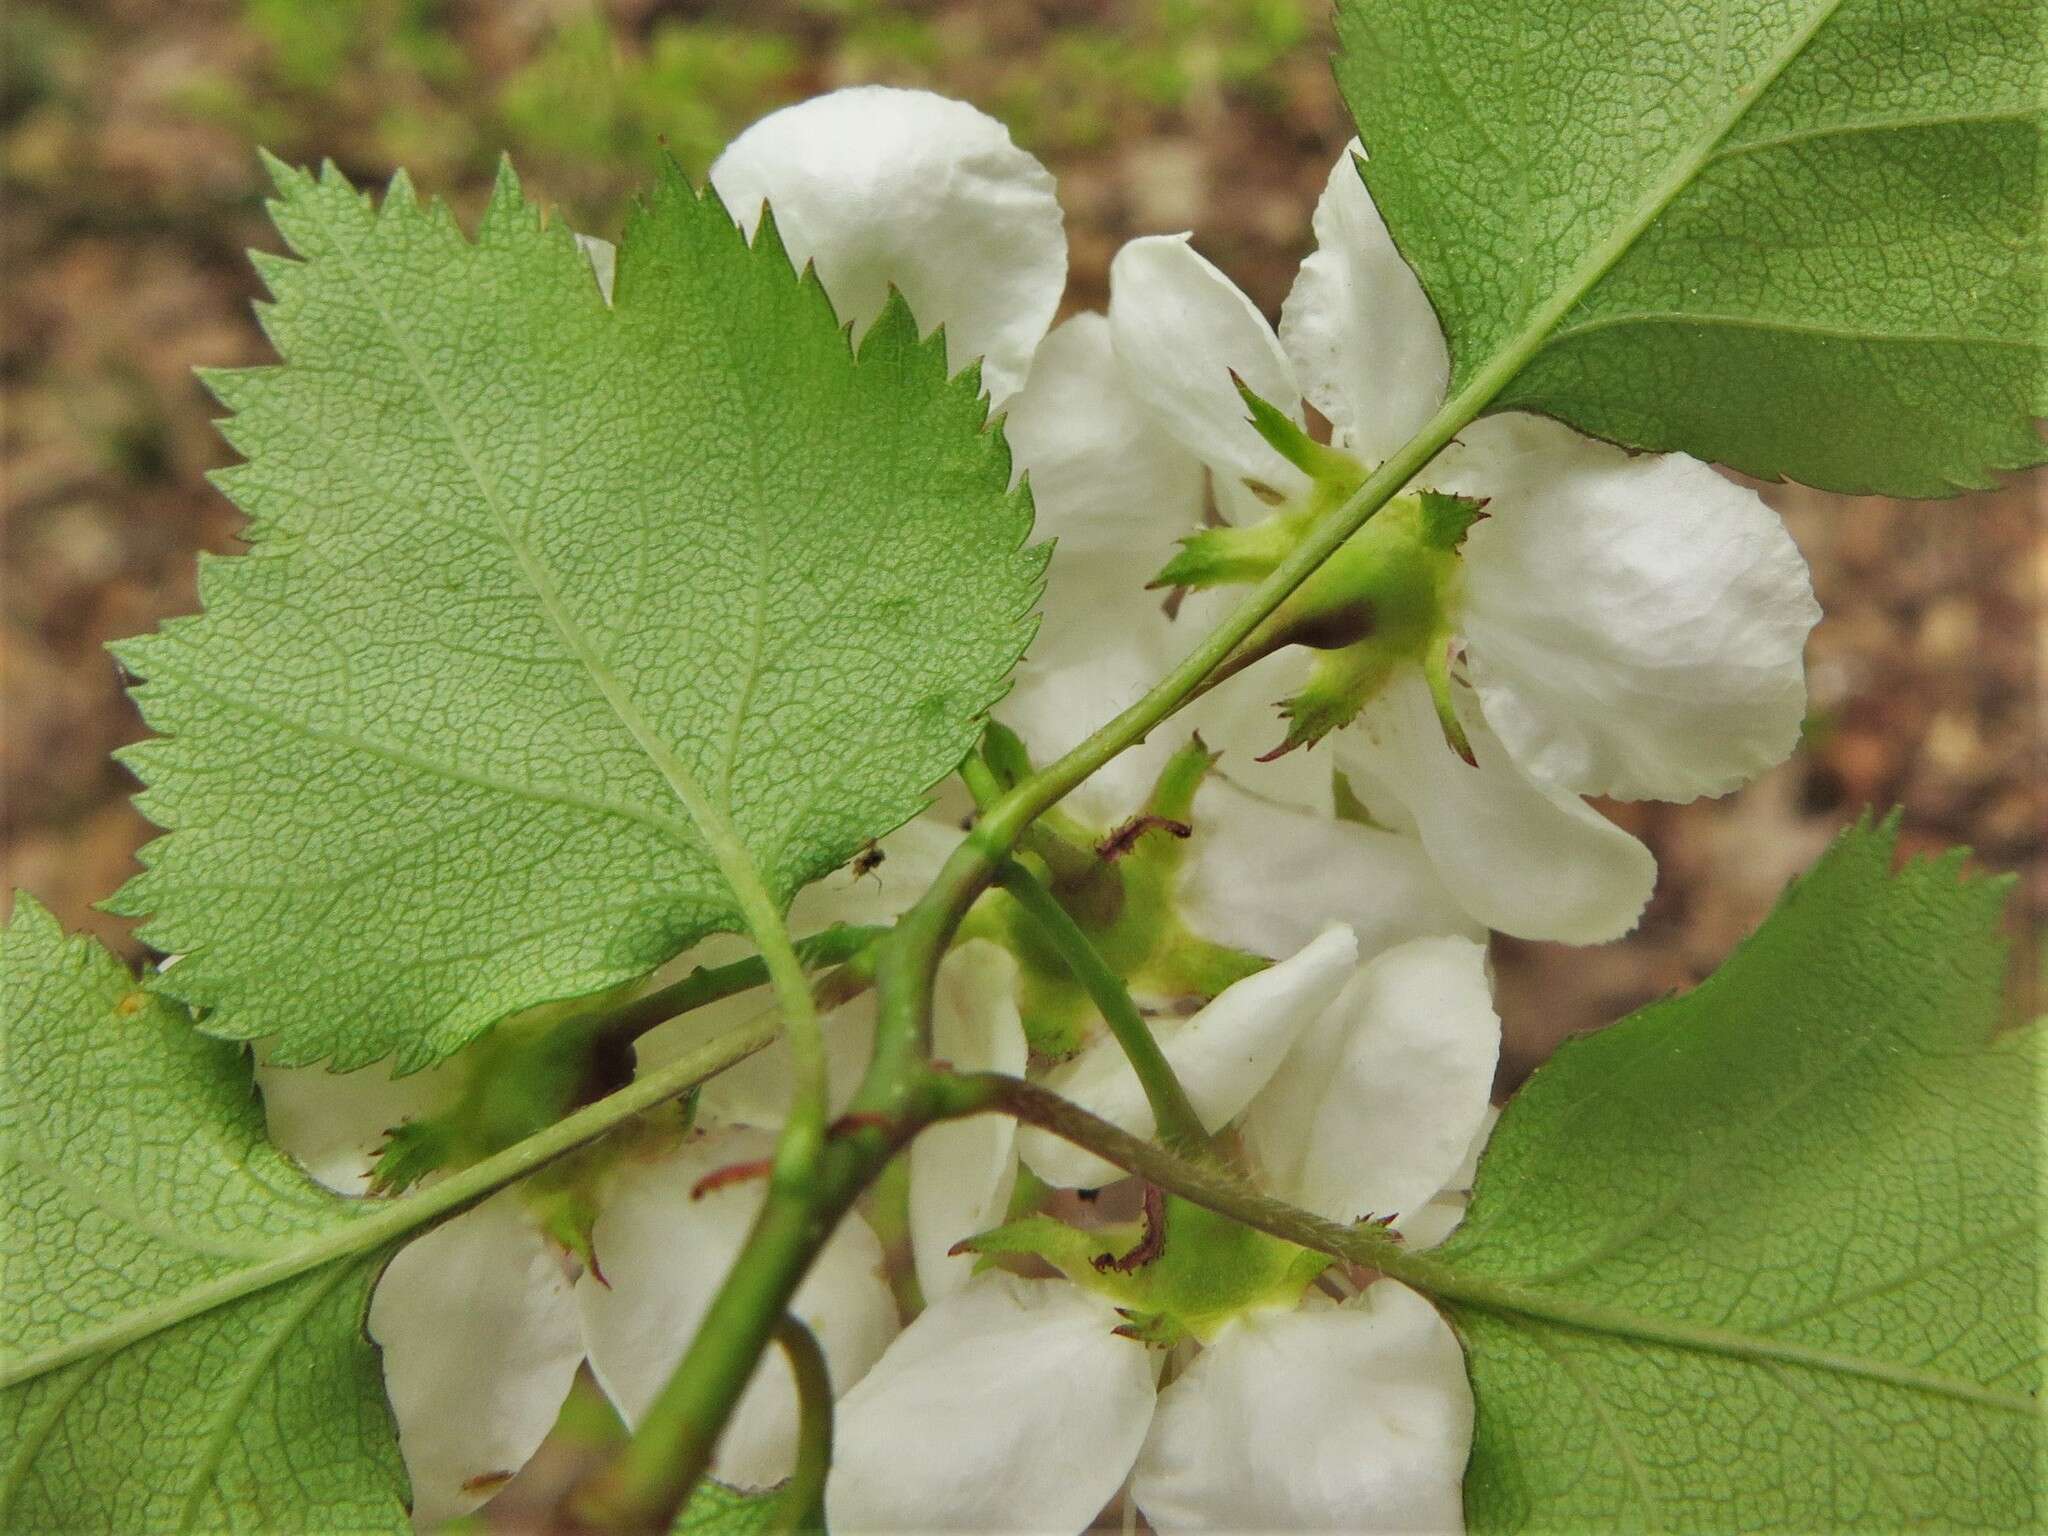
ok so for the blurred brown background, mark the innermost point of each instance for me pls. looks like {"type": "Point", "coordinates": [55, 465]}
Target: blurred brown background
{"type": "Point", "coordinates": [131, 188]}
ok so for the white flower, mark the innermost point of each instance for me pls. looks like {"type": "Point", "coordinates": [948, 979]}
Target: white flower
{"type": "Point", "coordinates": [882, 187]}
{"type": "Point", "coordinates": [1359, 1088]}
{"type": "Point", "coordinates": [1015, 1404]}
{"type": "Point", "coordinates": [484, 1320]}
{"type": "Point", "coordinates": [879, 188]}
{"type": "Point", "coordinates": [1628, 626]}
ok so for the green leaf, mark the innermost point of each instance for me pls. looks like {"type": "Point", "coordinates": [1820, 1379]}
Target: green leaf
{"type": "Point", "coordinates": [1766, 1256]}
{"type": "Point", "coordinates": [1801, 237]}
{"type": "Point", "coordinates": [136, 1171]}
{"type": "Point", "coordinates": [181, 1345]}
{"type": "Point", "coordinates": [569, 633]}
{"type": "Point", "coordinates": [716, 1510]}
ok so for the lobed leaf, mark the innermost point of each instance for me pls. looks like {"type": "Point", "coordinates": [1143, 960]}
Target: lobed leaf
{"type": "Point", "coordinates": [136, 1177]}
{"type": "Point", "coordinates": [570, 631]}
{"type": "Point", "coordinates": [1767, 1256]}
{"type": "Point", "coordinates": [1800, 237]}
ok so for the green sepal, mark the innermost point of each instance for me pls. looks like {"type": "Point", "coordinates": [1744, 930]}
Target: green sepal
{"type": "Point", "coordinates": [1180, 1269]}
{"type": "Point", "coordinates": [411, 1151]}
{"type": "Point", "coordinates": [1070, 1250]}
{"type": "Point", "coordinates": [566, 1213]}
{"type": "Point", "coordinates": [1006, 755]}
{"type": "Point", "coordinates": [1349, 806]}
{"type": "Point", "coordinates": [1339, 685]}
{"type": "Point", "coordinates": [1286, 436]}
{"type": "Point", "coordinates": [1173, 792]}
{"type": "Point", "coordinates": [1155, 1330]}
{"type": "Point", "coordinates": [521, 1077]}
{"type": "Point", "coordinates": [1229, 555]}
{"type": "Point", "coordinates": [1446, 519]}
{"type": "Point", "coordinates": [716, 1510]}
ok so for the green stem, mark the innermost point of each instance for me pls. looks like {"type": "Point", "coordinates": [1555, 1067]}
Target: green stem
{"type": "Point", "coordinates": [801, 1504]}
{"type": "Point", "coordinates": [1219, 1190]}
{"type": "Point", "coordinates": [981, 783]}
{"type": "Point", "coordinates": [837, 945]}
{"type": "Point", "coordinates": [671, 1451]}
{"type": "Point", "coordinates": [1207, 1183]}
{"type": "Point", "coordinates": [803, 1132]}
{"type": "Point", "coordinates": [385, 1221]}
{"type": "Point", "coordinates": [1071, 862]}
{"type": "Point", "coordinates": [642, 1489]}
{"type": "Point", "coordinates": [1178, 1122]}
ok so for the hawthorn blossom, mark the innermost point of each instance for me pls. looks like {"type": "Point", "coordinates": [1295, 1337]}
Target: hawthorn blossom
{"type": "Point", "coordinates": [1356, 1087]}
{"type": "Point", "coordinates": [1024, 1404]}
{"type": "Point", "coordinates": [491, 1309]}
{"type": "Point", "coordinates": [1622, 625]}
{"type": "Point", "coordinates": [484, 1320]}
{"type": "Point", "coordinates": [879, 187]}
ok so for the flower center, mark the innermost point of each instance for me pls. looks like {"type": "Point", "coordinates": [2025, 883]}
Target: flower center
{"type": "Point", "coordinates": [1385, 599]}
{"type": "Point", "coordinates": [519, 1078]}
{"type": "Point", "coordinates": [1121, 887]}
{"type": "Point", "coordinates": [1178, 1271]}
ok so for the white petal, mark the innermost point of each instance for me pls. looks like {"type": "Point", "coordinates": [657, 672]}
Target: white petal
{"type": "Point", "coordinates": [1222, 1056]}
{"type": "Point", "coordinates": [1106, 481]}
{"type": "Point", "coordinates": [1636, 623]}
{"type": "Point", "coordinates": [1181, 328]}
{"type": "Point", "coordinates": [1352, 1418]}
{"type": "Point", "coordinates": [332, 1123]}
{"type": "Point", "coordinates": [1265, 877]}
{"type": "Point", "coordinates": [665, 1256]}
{"type": "Point", "coordinates": [1010, 1406]}
{"type": "Point", "coordinates": [1358, 326]}
{"type": "Point", "coordinates": [1436, 1221]}
{"type": "Point", "coordinates": [756, 1092]}
{"type": "Point", "coordinates": [911, 859]}
{"type": "Point", "coordinates": [1240, 719]}
{"type": "Point", "coordinates": [963, 1171]}
{"type": "Point", "coordinates": [879, 186]}
{"type": "Point", "coordinates": [1432, 1222]}
{"type": "Point", "coordinates": [480, 1342]}
{"type": "Point", "coordinates": [1522, 857]}
{"type": "Point", "coordinates": [1101, 664]}
{"type": "Point", "coordinates": [1374, 1109]}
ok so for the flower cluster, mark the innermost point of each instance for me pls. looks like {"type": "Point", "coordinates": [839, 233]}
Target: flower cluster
{"type": "Point", "coordinates": [1298, 903]}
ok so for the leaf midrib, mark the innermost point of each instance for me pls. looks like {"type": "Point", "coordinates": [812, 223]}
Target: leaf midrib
{"type": "Point", "coordinates": [720, 837]}
{"type": "Point", "coordinates": [1538, 330]}
{"type": "Point", "coordinates": [1607, 322]}
{"type": "Point", "coordinates": [362, 1226]}
{"type": "Point", "coordinates": [1521, 1303]}
{"type": "Point", "coordinates": [1905, 123]}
